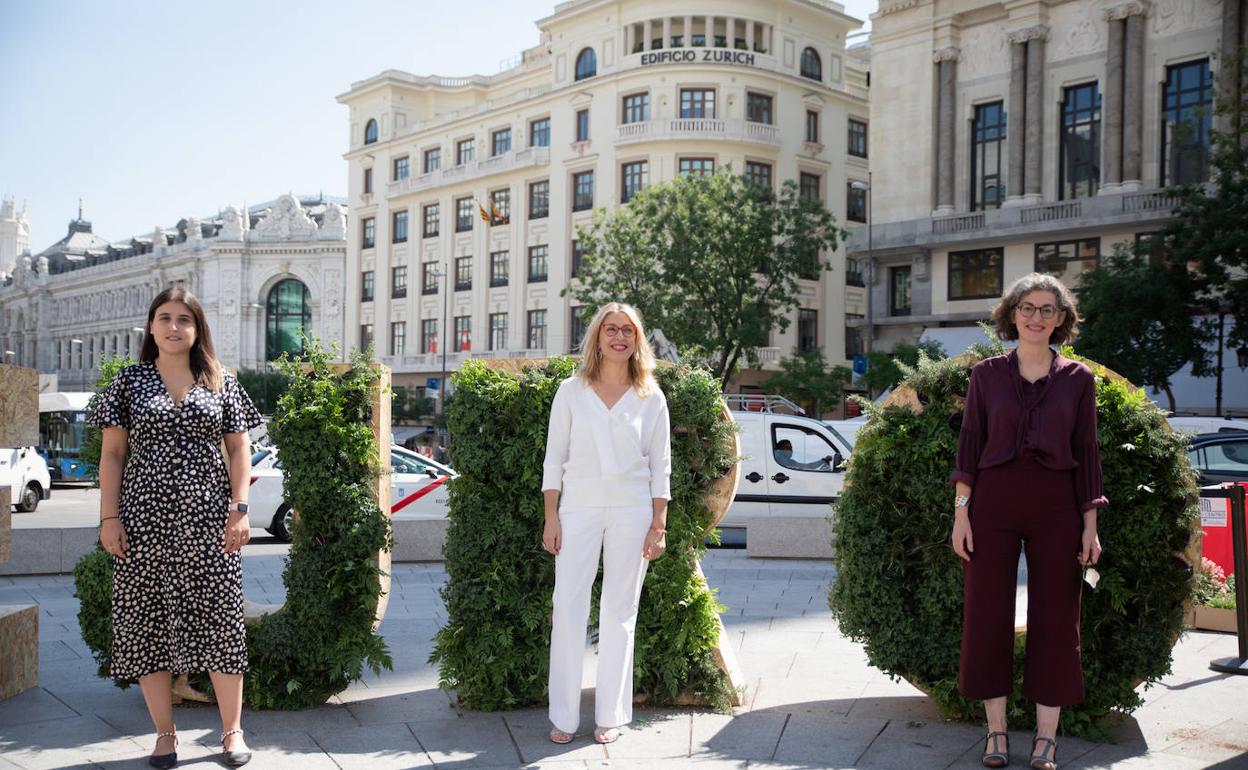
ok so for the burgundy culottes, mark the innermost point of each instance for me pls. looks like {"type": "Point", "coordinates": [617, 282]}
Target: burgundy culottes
{"type": "Point", "coordinates": [1023, 504]}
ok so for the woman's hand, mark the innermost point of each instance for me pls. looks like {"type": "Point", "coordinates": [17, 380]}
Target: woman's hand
{"type": "Point", "coordinates": [552, 536]}
{"type": "Point", "coordinates": [113, 537]}
{"type": "Point", "coordinates": [963, 540]}
{"type": "Point", "coordinates": [237, 532]}
{"type": "Point", "coordinates": [1090, 550]}
{"type": "Point", "coordinates": [656, 544]}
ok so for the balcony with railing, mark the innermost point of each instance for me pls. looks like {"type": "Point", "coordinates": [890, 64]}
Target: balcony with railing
{"type": "Point", "coordinates": [473, 169]}
{"type": "Point", "coordinates": [676, 129]}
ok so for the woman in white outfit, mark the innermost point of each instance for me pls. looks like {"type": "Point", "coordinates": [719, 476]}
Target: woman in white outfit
{"type": "Point", "coordinates": [606, 485]}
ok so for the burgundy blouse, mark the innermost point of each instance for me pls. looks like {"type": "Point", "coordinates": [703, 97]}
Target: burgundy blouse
{"type": "Point", "coordinates": [1052, 419]}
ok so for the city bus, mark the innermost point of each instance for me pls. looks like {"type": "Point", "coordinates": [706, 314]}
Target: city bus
{"type": "Point", "coordinates": [62, 420]}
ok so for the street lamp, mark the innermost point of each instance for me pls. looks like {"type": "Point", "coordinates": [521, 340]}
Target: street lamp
{"type": "Point", "coordinates": [869, 278]}
{"type": "Point", "coordinates": [9, 355]}
{"type": "Point", "coordinates": [440, 274]}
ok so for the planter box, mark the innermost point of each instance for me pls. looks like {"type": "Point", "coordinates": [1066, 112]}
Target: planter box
{"type": "Point", "coordinates": [1211, 618]}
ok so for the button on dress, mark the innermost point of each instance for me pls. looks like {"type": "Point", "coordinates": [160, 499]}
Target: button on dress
{"type": "Point", "coordinates": [178, 599]}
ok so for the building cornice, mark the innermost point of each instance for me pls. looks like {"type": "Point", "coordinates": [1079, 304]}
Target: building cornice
{"type": "Point", "coordinates": [1033, 32]}
{"type": "Point", "coordinates": [1123, 10]}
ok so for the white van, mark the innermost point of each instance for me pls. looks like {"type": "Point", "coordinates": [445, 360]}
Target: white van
{"type": "Point", "coordinates": [25, 472]}
{"type": "Point", "coordinates": [791, 465]}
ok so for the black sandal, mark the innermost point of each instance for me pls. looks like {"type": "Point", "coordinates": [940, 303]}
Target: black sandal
{"type": "Point", "coordinates": [165, 761]}
{"type": "Point", "coordinates": [996, 757]}
{"type": "Point", "coordinates": [1041, 761]}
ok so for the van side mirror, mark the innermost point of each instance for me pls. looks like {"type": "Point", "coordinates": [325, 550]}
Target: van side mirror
{"type": "Point", "coordinates": [431, 472]}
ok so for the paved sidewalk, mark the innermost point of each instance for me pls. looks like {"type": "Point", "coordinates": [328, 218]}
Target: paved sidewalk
{"type": "Point", "coordinates": [813, 702]}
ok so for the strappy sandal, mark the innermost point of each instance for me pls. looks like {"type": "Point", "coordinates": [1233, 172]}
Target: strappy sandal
{"type": "Point", "coordinates": [606, 734]}
{"type": "Point", "coordinates": [996, 757]}
{"type": "Point", "coordinates": [233, 758]}
{"type": "Point", "coordinates": [166, 761]}
{"type": "Point", "coordinates": [1041, 761]}
{"type": "Point", "coordinates": [560, 737]}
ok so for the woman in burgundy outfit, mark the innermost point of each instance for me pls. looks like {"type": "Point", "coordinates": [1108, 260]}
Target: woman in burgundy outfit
{"type": "Point", "coordinates": [1028, 476]}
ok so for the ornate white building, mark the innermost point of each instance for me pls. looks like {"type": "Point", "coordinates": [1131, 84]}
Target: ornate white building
{"type": "Point", "coordinates": [261, 278]}
{"type": "Point", "coordinates": [14, 236]}
{"type": "Point", "coordinates": [615, 96]}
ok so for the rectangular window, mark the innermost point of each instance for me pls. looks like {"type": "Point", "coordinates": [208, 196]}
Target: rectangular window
{"type": "Point", "coordinates": [697, 103]}
{"type": "Point", "coordinates": [758, 173]}
{"type": "Point", "coordinates": [808, 187]}
{"type": "Point", "coordinates": [429, 275]}
{"type": "Point", "coordinates": [855, 203]}
{"type": "Point", "coordinates": [976, 274]}
{"type": "Point", "coordinates": [429, 335]}
{"type": "Point", "coordinates": [758, 107]}
{"type": "Point", "coordinates": [857, 138]}
{"type": "Point", "coordinates": [465, 151]}
{"type": "Point", "coordinates": [432, 218]}
{"type": "Point", "coordinates": [899, 290]}
{"type": "Point", "coordinates": [498, 331]}
{"type": "Point", "coordinates": [699, 167]}
{"type": "Point", "coordinates": [812, 126]}
{"type": "Point", "coordinates": [537, 330]}
{"type": "Point", "coordinates": [500, 142]}
{"type": "Point", "coordinates": [463, 215]}
{"type": "Point", "coordinates": [368, 181]}
{"type": "Point", "coordinates": [987, 147]}
{"type": "Point", "coordinates": [633, 179]}
{"type": "Point", "coordinates": [1068, 259]}
{"type": "Point", "coordinates": [463, 333]}
{"type": "Point", "coordinates": [398, 338]}
{"type": "Point", "coordinates": [398, 227]}
{"type": "Point", "coordinates": [583, 191]}
{"type": "Point", "coordinates": [1151, 248]}
{"type": "Point", "coordinates": [538, 263]}
{"type": "Point", "coordinates": [636, 108]}
{"type": "Point", "coordinates": [854, 345]}
{"type": "Point", "coordinates": [402, 168]}
{"type": "Point", "coordinates": [463, 273]}
{"type": "Point", "coordinates": [539, 199]}
{"type": "Point", "coordinates": [398, 282]}
{"type": "Point", "coordinates": [368, 233]}
{"type": "Point", "coordinates": [1186, 115]}
{"type": "Point", "coordinates": [582, 125]}
{"type": "Point", "coordinates": [367, 284]}
{"type": "Point", "coordinates": [500, 267]}
{"type": "Point", "coordinates": [500, 207]}
{"type": "Point", "coordinates": [366, 336]}
{"type": "Point", "coordinates": [1080, 141]}
{"type": "Point", "coordinates": [539, 133]}
{"type": "Point", "coordinates": [807, 330]}
{"type": "Point", "coordinates": [433, 159]}
{"type": "Point", "coordinates": [853, 272]}
{"type": "Point", "coordinates": [578, 258]}
{"type": "Point", "coordinates": [576, 329]}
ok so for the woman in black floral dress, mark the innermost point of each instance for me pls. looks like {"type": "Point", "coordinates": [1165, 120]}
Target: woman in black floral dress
{"type": "Point", "coordinates": [175, 520]}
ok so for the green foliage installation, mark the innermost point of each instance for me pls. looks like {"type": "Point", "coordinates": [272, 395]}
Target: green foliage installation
{"type": "Point", "coordinates": [494, 649]}
{"type": "Point", "coordinates": [92, 440]}
{"type": "Point", "coordinates": [899, 584]}
{"type": "Point", "coordinates": [323, 638]}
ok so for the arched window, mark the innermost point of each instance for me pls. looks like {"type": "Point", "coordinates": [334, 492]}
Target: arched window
{"type": "Point", "coordinates": [370, 129]}
{"type": "Point", "coordinates": [586, 64]}
{"type": "Point", "coordinates": [812, 67]}
{"type": "Point", "coordinates": [289, 316]}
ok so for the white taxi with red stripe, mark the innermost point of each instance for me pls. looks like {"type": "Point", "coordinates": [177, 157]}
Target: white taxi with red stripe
{"type": "Point", "coordinates": [417, 486]}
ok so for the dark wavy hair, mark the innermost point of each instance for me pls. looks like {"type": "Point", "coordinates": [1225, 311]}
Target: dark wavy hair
{"type": "Point", "coordinates": [1003, 313]}
{"type": "Point", "coordinates": [204, 364]}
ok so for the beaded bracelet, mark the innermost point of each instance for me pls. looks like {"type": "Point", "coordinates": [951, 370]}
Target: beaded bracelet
{"type": "Point", "coordinates": [961, 501]}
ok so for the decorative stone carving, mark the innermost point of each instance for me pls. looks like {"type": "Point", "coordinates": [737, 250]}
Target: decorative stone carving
{"type": "Point", "coordinates": [1174, 16]}
{"type": "Point", "coordinates": [984, 52]}
{"type": "Point", "coordinates": [231, 225]}
{"type": "Point", "coordinates": [1077, 29]}
{"type": "Point", "coordinates": [334, 223]}
{"type": "Point", "coordinates": [1034, 32]}
{"type": "Point", "coordinates": [286, 221]}
{"type": "Point", "coordinates": [194, 230]}
{"type": "Point", "coordinates": [333, 299]}
{"type": "Point", "coordinates": [948, 53]}
{"type": "Point", "coordinates": [1123, 10]}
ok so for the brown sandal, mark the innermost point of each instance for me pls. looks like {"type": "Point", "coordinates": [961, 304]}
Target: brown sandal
{"type": "Point", "coordinates": [1041, 761]}
{"type": "Point", "coordinates": [996, 757]}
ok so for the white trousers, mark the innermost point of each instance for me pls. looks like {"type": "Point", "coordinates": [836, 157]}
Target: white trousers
{"type": "Point", "coordinates": [619, 535]}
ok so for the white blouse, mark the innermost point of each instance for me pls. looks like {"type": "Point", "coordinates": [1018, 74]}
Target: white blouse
{"type": "Point", "coordinates": [599, 457]}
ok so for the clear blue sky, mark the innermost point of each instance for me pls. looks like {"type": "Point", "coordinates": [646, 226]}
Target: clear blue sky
{"type": "Point", "coordinates": [153, 110]}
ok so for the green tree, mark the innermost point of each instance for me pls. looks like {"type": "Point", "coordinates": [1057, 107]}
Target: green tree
{"type": "Point", "coordinates": [1139, 319]}
{"type": "Point", "coordinates": [408, 405]}
{"type": "Point", "coordinates": [807, 378]}
{"type": "Point", "coordinates": [712, 261]}
{"type": "Point", "coordinates": [265, 386]}
{"type": "Point", "coordinates": [884, 370]}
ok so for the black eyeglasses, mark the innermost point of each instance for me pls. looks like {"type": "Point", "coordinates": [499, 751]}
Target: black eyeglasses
{"type": "Point", "coordinates": [1047, 312]}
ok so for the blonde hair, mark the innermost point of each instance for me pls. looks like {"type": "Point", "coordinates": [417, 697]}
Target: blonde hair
{"type": "Point", "coordinates": [640, 364]}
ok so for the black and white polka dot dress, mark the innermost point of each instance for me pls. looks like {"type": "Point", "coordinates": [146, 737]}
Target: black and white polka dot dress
{"type": "Point", "coordinates": [178, 598]}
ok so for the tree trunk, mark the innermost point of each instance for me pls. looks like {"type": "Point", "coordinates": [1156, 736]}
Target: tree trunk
{"type": "Point", "coordinates": [1169, 395]}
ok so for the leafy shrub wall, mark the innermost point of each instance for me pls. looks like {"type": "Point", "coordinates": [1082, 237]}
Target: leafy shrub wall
{"type": "Point", "coordinates": [899, 584]}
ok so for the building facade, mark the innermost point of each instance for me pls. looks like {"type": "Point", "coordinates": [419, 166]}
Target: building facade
{"type": "Point", "coordinates": [616, 96]}
{"type": "Point", "coordinates": [261, 278]}
{"type": "Point", "coordinates": [1026, 136]}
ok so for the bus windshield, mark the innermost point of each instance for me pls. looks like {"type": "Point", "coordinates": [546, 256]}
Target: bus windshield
{"type": "Point", "coordinates": [62, 424]}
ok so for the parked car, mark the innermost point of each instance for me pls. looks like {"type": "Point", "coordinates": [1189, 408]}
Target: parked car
{"type": "Point", "coordinates": [1220, 457]}
{"type": "Point", "coordinates": [25, 472]}
{"type": "Point", "coordinates": [417, 488]}
{"type": "Point", "coordinates": [1207, 424]}
{"type": "Point", "coordinates": [792, 465]}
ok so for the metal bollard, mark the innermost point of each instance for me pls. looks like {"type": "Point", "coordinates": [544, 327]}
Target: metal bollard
{"type": "Point", "coordinates": [1239, 551]}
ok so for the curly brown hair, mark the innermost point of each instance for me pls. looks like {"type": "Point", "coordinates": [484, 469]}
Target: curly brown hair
{"type": "Point", "coordinates": [1003, 313]}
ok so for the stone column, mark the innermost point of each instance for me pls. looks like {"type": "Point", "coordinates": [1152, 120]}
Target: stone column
{"type": "Point", "coordinates": [749, 35]}
{"type": "Point", "coordinates": [1232, 21]}
{"type": "Point", "coordinates": [947, 77]}
{"type": "Point", "coordinates": [629, 32]}
{"type": "Point", "coordinates": [648, 40]}
{"type": "Point", "coordinates": [1133, 103]}
{"type": "Point", "coordinates": [1016, 123]}
{"type": "Point", "coordinates": [1111, 108]}
{"type": "Point", "coordinates": [667, 32]}
{"type": "Point", "coordinates": [1033, 174]}
{"type": "Point", "coordinates": [708, 22]}
{"type": "Point", "coordinates": [687, 34]}
{"type": "Point", "coordinates": [730, 32]}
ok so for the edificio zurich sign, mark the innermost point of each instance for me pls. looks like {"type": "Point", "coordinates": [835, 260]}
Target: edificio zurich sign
{"type": "Point", "coordinates": [682, 55]}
